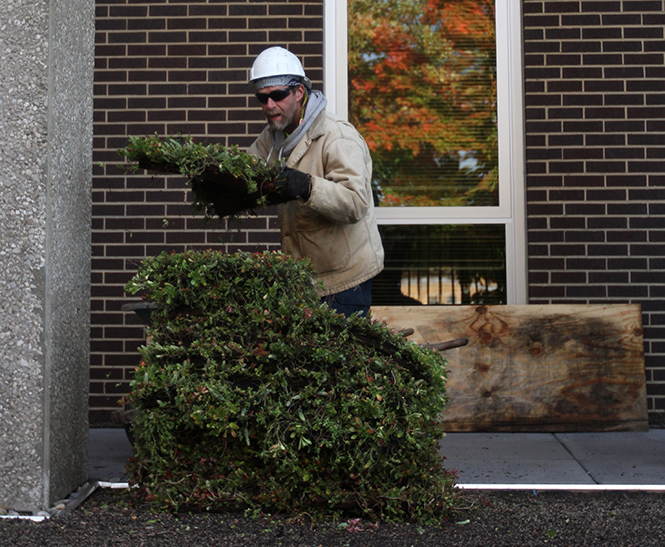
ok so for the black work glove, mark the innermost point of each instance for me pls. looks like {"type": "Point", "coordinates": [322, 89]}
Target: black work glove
{"type": "Point", "coordinates": [293, 184]}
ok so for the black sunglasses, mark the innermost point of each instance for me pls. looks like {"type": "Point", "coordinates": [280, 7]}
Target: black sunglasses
{"type": "Point", "coordinates": [276, 96]}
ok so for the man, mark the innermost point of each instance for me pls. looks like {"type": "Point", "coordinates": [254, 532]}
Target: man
{"type": "Point", "coordinates": [326, 180]}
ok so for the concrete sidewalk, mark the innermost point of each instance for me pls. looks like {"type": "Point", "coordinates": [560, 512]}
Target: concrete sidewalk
{"type": "Point", "coordinates": [616, 459]}
{"type": "Point", "coordinates": [621, 458]}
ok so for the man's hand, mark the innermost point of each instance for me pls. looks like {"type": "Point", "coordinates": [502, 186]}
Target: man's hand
{"type": "Point", "coordinates": [292, 184]}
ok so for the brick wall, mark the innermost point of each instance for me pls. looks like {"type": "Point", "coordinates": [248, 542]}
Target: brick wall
{"type": "Point", "coordinates": [595, 148]}
{"type": "Point", "coordinates": [172, 66]}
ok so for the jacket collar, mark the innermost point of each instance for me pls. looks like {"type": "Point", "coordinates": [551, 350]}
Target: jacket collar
{"type": "Point", "coordinates": [316, 130]}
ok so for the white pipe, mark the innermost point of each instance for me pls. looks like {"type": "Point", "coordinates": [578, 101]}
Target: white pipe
{"type": "Point", "coordinates": [114, 485]}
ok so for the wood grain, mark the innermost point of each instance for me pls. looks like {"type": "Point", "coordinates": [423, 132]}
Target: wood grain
{"type": "Point", "coordinates": [546, 368]}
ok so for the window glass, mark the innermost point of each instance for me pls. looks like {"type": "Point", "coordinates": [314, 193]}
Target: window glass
{"type": "Point", "coordinates": [422, 91]}
{"type": "Point", "coordinates": [442, 264]}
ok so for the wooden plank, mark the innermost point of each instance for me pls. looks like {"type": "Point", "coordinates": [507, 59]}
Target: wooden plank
{"type": "Point", "coordinates": [547, 368]}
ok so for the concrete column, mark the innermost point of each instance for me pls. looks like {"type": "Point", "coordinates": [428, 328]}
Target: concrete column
{"type": "Point", "coordinates": [46, 72]}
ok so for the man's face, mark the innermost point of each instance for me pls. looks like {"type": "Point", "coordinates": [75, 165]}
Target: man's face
{"type": "Point", "coordinates": [284, 114]}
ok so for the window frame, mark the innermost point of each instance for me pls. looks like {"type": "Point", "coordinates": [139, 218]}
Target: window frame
{"type": "Point", "coordinates": [510, 112]}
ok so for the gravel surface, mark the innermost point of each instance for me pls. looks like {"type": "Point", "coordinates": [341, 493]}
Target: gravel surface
{"type": "Point", "coordinates": [487, 518]}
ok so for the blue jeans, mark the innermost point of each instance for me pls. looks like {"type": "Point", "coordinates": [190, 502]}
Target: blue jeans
{"type": "Point", "coordinates": [357, 299]}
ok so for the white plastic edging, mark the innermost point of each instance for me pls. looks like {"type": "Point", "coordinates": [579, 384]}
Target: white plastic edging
{"type": "Point", "coordinates": [89, 490]}
{"type": "Point", "coordinates": [35, 518]}
{"type": "Point", "coordinates": [470, 486]}
{"type": "Point", "coordinates": [567, 487]}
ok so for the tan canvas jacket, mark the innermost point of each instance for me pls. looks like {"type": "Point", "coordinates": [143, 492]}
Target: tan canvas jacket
{"type": "Point", "coordinates": [336, 227]}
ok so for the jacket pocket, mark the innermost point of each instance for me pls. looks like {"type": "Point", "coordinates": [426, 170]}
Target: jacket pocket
{"type": "Point", "coordinates": [327, 247]}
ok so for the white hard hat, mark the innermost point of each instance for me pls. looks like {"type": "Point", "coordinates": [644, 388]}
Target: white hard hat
{"type": "Point", "coordinates": [277, 66]}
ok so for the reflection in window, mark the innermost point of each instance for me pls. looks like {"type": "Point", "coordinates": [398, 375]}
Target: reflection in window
{"type": "Point", "coordinates": [442, 264]}
{"type": "Point", "coordinates": [422, 92]}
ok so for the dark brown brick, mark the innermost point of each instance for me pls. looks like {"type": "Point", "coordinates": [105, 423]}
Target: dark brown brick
{"type": "Point", "coordinates": [168, 11]}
